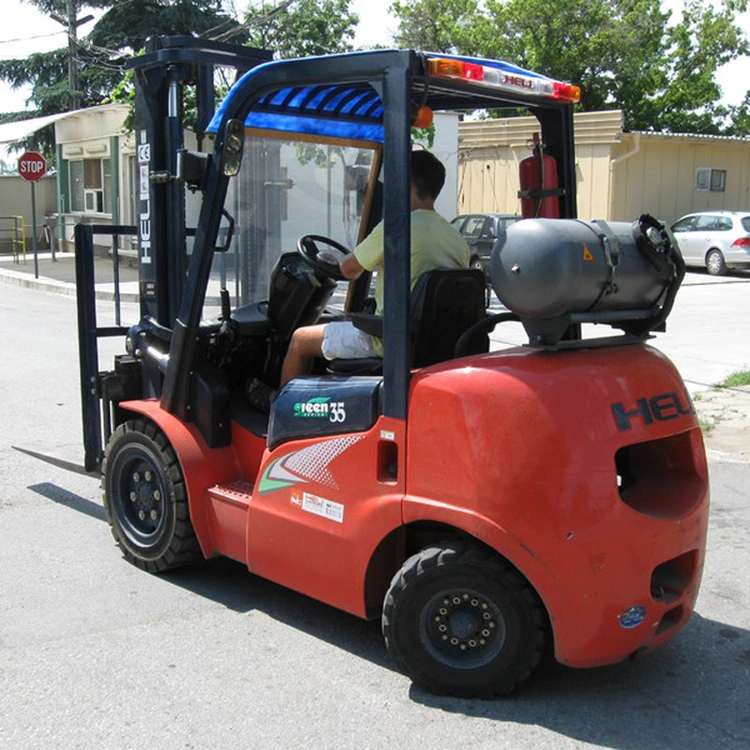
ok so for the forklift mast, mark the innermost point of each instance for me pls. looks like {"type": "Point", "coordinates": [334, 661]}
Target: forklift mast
{"type": "Point", "coordinates": [161, 75]}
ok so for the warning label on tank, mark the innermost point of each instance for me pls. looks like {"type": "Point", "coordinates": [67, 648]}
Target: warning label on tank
{"type": "Point", "coordinates": [322, 507]}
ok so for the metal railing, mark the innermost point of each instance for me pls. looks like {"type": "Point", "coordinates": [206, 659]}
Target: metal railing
{"type": "Point", "coordinates": [14, 227]}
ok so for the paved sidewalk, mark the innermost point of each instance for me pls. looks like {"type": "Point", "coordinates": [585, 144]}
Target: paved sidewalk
{"type": "Point", "coordinates": [58, 275]}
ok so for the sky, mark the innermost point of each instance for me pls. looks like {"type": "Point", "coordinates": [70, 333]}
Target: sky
{"type": "Point", "coordinates": [25, 29]}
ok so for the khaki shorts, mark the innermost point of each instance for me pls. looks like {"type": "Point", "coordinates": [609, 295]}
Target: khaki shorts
{"type": "Point", "coordinates": [341, 340]}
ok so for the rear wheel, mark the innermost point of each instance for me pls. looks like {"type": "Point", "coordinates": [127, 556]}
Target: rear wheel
{"type": "Point", "coordinates": [715, 263]}
{"type": "Point", "coordinates": [460, 620]}
{"type": "Point", "coordinates": [146, 500]}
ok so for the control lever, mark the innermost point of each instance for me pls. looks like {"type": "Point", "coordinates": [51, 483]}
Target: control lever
{"type": "Point", "coordinates": [226, 311]}
{"type": "Point", "coordinates": [226, 331]}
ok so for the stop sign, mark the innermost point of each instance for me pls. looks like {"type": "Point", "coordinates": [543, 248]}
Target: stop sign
{"type": "Point", "coordinates": [32, 166]}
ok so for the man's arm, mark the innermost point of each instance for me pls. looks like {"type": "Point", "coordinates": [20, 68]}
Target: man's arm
{"type": "Point", "coordinates": [351, 268]}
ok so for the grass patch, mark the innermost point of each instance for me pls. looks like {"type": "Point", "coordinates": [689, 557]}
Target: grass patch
{"type": "Point", "coordinates": [736, 379]}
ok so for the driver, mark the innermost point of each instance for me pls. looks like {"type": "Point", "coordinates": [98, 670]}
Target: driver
{"type": "Point", "coordinates": [434, 244]}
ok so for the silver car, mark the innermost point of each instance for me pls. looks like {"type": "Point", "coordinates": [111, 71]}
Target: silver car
{"type": "Point", "coordinates": [714, 240]}
{"type": "Point", "coordinates": [481, 232]}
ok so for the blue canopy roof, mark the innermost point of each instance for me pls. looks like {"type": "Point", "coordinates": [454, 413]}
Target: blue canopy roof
{"type": "Point", "coordinates": [346, 110]}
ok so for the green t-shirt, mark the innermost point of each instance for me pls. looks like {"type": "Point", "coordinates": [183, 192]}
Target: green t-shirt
{"type": "Point", "coordinates": [434, 244]}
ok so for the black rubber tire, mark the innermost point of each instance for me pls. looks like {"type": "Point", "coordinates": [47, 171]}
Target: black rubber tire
{"type": "Point", "coordinates": [460, 620]}
{"type": "Point", "coordinates": [715, 263]}
{"type": "Point", "coordinates": [146, 500]}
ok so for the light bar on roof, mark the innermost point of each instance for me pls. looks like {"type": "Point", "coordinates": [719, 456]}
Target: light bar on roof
{"type": "Point", "coordinates": [508, 80]}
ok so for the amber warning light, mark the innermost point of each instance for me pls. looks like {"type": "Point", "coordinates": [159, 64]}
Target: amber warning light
{"type": "Point", "coordinates": [443, 67]}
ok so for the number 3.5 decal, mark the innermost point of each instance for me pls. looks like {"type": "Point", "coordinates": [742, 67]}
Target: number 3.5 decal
{"type": "Point", "coordinates": [337, 412]}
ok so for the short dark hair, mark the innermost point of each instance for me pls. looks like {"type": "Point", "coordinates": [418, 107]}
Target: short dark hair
{"type": "Point", "coordinates": [427, 174]}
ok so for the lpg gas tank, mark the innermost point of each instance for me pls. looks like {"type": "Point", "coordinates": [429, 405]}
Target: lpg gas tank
{"type": "Point", "coordinates": [548, 268]}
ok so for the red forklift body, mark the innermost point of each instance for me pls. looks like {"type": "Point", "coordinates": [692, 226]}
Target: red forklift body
{"type": "Point", "coordinates": [637, 475]}
{"type": "Point", "coordinates": [606, 495]}
{"type": "Point", "coordinates": [485, 503]}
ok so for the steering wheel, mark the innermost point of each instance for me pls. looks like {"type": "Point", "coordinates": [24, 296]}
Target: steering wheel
{"type": "Point", "coordinates": [325, 260]}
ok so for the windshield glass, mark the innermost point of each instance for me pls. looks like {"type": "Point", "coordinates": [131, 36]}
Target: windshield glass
{"type": "Point", "coordinates": [287, 189]}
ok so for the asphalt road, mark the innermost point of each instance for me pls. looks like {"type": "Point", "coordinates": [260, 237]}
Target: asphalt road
{"type": "Point", "coordinates": [97, 654]}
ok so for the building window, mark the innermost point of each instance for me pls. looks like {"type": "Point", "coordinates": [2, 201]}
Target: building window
{"type": "Point", "coordinates": [91, 185]}
{"type": "Point", "coordinates": [710, 179]}
{"type": "Point", "coordinates": [718, 179]}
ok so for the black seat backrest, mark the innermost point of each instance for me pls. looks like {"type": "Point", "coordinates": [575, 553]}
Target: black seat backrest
{"type": "Point", "coordinates": [444, 303]}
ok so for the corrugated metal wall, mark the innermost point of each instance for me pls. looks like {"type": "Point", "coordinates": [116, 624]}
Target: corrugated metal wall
{"type": "Point", "coordinates": [660, 175]}
{"type": "Point", "coordinates": [619, 175]}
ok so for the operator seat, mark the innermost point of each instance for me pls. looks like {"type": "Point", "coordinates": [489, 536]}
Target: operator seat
{"type": "Point", "coordinates": [444, 303]}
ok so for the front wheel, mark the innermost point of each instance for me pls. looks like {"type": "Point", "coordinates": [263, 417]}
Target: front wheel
{"type": "Point", "coordinates": [715, 263]}
{"type": "Point", "coordinates": [460, 620]}
{"type": "Point", "coordinates": [146, 500]}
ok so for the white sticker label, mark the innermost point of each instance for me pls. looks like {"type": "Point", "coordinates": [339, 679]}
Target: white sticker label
{"type": "Point", "coordinates": [322, 507]}
{"type": "Point", "coordinates": [143, 184]}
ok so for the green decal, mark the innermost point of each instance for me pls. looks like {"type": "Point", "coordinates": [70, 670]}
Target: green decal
{"type": "Point", "coordinates": [314, 407]}
{"type": "Point", "coordinates": [276, 478]}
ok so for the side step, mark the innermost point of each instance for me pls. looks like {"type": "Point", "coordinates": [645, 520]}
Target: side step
{"type": "Point", "coordinates": [228, 504]}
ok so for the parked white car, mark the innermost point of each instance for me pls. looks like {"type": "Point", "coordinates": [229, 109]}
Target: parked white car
{"type": "Point", "coordinates": [714, 240]}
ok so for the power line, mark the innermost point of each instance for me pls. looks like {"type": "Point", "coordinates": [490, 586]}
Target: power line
{"type": "Point", "coordinates": [30, 38]}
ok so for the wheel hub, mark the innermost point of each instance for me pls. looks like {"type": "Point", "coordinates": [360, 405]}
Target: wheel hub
{"type": "Point", "coordinates": [142, 496]}
{"type": "Point", "coordinates": [464, 621]}
{"type": "Point", "coordinates": [463, 628]}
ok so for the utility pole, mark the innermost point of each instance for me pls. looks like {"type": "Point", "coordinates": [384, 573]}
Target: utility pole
{"type": "Point", "coordinates": [71, 23]}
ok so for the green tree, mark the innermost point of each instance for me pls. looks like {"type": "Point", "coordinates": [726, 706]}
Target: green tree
{"type": "Point", "coordinates": [625, 54]}
{"type": "Point", "coordinates": [705, 39]}
{"type": "Point", "coordinates": [128, 23]}
{"type": "Point", "coordinates": [99, 57]}
{"type": "Point", "coordinates": [300, 28]}
{"type": "Point", "coordinates": [437, 25]}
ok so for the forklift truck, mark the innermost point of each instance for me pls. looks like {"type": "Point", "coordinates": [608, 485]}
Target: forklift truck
{"type": "Point", "coordinates": [490, 506]}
